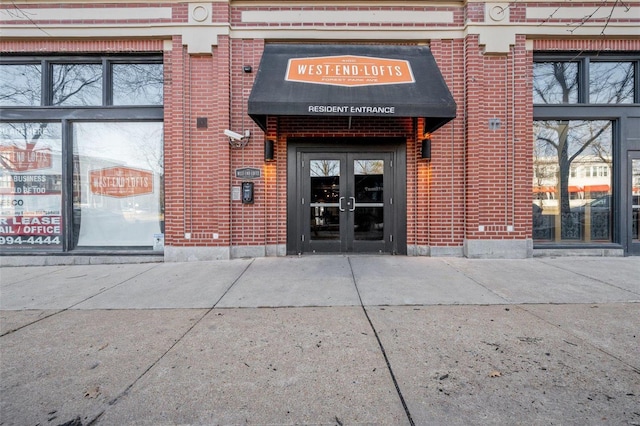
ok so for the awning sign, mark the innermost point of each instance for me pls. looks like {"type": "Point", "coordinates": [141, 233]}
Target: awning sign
{"type": "Point", "coordinates": [350, 80]}
{"type": "Point", "coordinates": [121, 182]}
{"type": "Point", "coordinates": [349, 70]}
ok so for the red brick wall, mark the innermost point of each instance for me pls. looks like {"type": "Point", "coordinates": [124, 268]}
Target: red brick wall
{"type": "Point", "coordinates": [476, 176]}
{"type": "Point", "coordinates": [80, 46]}
{"type": "Point", "coordinates": [458, 16]}
{"type": "Point", "coordinates": [498, 162]}
{"type": "Point", "coordinates": [587, 45]}
{"type": "Point", "coordinates": [439, 220]}
{"type": "Point", "coordinates": [198, 160]}
{"type": "Point", "coordinates": [248, 221]}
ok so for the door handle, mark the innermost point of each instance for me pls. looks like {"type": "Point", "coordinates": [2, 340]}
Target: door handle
{"type": "Point", "coordinates": [340, 204]}
{"type": "Point", "coordinates": [353, 200]}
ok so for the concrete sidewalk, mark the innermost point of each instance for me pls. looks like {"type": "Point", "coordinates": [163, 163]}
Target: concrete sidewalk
{"type": "Point", "coordinates": [323, 340]}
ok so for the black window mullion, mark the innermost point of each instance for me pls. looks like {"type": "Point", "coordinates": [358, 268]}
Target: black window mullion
{"type": "Point", "coordinates": [636, 82]}
{"type": "Point", "coordinates": [67, 193]}
{"type": "Point", "coordinates": [583, 81]}
{"type": "Point", "coordinates": [46, 83]}
{"type": "Point", "coordinates": [107, 83]}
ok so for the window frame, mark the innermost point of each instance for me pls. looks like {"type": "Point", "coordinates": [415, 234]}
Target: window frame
{"type": "Point", "coordinates": [617, 113]}
{"type": "Point", "coordinates": [67, 115]}
{"type": "Point", "coordinates": [583, 60]}
{"type": "Point", "coordinates": [46, 63]}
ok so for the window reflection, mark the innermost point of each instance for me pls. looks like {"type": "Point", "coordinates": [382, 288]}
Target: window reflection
{"type": "Point", "coordinates": [369, 200]}
{"type": "Point", "coordinates": [20, 85]}
{"type": "Point", "coordinates": [572, 199]}
{"type": "Point", "coordinates": [137, 84]}
{"type": "Point", "coordinates": [555, 82]}
{"type": "Point", "coordinates": [635, 200]}
{"type": "Point", "coordinates": [31, 186]}
{"type": "Point", "coordinates": [611, 82]}
{"type": "Point", "coordinates": [77, 84]}
{"type": "Point", "coordinates": [117, 185]}
{"type": "Point", "coordinates": [325, 203]}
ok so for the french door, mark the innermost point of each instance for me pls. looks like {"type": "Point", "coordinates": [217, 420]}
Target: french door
{"type": "Point", "coordinates": [633, 197]}
{"type": "Point", "coordinates": [348, 199]}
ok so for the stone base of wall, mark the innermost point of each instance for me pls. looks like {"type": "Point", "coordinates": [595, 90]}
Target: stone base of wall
{"type": "Point", "coordinates": [599, 252]}
{"type": "Point", "coordinates": [64, 260]}
{"type": "Point", "coordinates": [434, 251]}
{"type": "Point", "coordinates": [195, 254]}
{"type": "Point", "coordinates": [498, 249]}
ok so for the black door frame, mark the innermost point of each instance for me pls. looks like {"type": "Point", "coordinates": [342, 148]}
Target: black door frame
{"type": "Point", "coordinates": [633, 249]}
{"type": "Point", "coordinates": [296, 147]}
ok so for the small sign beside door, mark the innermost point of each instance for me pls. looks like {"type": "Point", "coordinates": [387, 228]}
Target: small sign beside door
{"type": "Point", "coordinates": [247, 173]}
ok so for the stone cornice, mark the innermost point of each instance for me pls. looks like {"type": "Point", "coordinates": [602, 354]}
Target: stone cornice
{"type": "Point", "coordinates": [494, 23]}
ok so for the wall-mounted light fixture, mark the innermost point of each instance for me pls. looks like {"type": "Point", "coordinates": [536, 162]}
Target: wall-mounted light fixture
{"type": "Point", "coordinates": [268, 150]}
{"type": "Point", "coordinates": [426, 148]}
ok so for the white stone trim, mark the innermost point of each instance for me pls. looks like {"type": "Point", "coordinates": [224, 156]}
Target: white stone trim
{"type": "Point", "coordinates": [200, 13]}
{"type": "Point", "coordinates": [339, 16]}
{"type": "Point", "coordinates": [576, 13]}
{"type": "Point", "coordinates": [73, 14]}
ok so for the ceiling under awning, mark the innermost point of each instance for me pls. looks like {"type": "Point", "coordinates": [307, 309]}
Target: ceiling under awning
{"type": "Point", "coordinates": [350, 80]}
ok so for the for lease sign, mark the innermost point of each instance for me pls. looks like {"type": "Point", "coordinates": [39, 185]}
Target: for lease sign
{"type": "Point", "coordinates": [349, 70]}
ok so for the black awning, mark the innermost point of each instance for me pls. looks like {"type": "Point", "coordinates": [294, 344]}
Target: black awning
{"type": "Point", "coordinates": [350, 80]}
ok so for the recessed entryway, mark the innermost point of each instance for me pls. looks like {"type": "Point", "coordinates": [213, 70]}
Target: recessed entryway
{"type": "Point", "coordinates": [347, 196]}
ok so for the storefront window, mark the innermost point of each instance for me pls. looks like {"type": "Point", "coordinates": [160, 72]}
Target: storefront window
{"type": "Point", "coordinates": [572, 207]}
{"type": "Point", "coordinates": [31, 186]}
{"type": "Point", "coordinates": [118, 184]}
{"type": "Point", "coordinates": [77, 84]}
{"type": "Point", "coordinates": [137, 84]}
{"type": "Point", "coordinates": [555, 82]}
{"type": "Point", "coordinates": [20, 85]}
{"type": "Point", "coordinates": [611, 82]}
{"type": "Point", "coordinates": [85, 171]}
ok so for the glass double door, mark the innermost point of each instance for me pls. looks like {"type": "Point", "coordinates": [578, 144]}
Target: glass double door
{"type": "Point", "coordinates": [633, 210]}
{"type": "Point", "coordinates": [346, 203]}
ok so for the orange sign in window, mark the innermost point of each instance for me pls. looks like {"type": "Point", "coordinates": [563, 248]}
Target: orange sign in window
{"type": "Point", "coordinates": [349, 70]}
{"type": "Point", "coordinates": [22, 160]}
{"type": "Point", "coordinates": [121, 182]}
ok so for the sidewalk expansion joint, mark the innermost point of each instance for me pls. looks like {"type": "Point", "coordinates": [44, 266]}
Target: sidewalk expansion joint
{"type": "Point", "coordinates": [507, 301]}
{"type": "Point", "coordinates": [68, 308]}
{"type": "Point", "coordinates": [384, 353]}
{"type": "Point", "coordinates": [180, 339]}
{"type": "Point", "coordinates": [581, 339]}
{"type": "Point", "coordinates": [234, 283]}
{"type": "Point", "coordinates": [589, 277]}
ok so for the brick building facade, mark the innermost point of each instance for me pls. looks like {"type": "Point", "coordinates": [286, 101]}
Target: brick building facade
{"type": "Point", "coordinates": [471, 197]}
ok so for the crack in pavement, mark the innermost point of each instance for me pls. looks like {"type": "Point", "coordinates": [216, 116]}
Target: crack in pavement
{"type": "Point", "coordinates": [68, 308]}
{"type": "Point", "coordinates": [384, 353]}
{"type": "Point", "coordinates": [179, 340]}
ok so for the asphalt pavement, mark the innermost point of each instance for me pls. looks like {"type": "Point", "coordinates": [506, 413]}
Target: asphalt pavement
{"type": "Point", "coordinates": [342, 340]}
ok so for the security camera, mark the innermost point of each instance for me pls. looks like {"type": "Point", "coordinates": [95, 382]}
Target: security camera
{"type": "Point", "coordinates": [233, 135]}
